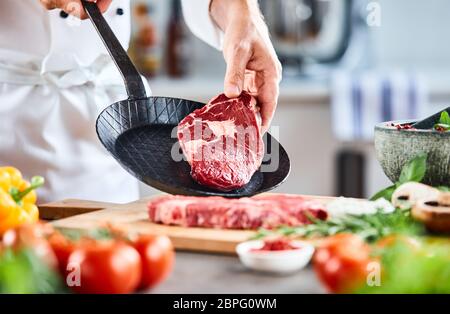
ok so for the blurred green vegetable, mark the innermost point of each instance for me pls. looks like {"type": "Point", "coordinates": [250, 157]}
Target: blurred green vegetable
{"type": "Point", "coordinates": [23, 272]}
{"type": "Point", "coordinates": [414, 270]}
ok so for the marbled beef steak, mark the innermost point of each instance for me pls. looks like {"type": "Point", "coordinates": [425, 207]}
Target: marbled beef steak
{"type": "Point", "coordinates": [222, 142]}
{"type": "Point", "coordinates": [266, 211]}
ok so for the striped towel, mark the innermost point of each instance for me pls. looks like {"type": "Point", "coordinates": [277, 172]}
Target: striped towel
{"type": "Point", "coordinates": [360, 101]}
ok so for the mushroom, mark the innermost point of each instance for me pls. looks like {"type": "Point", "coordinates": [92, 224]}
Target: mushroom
{"type": "Point", "coordinates": [409, 193]}
{"type": "Point", "coordinates": [434, 212]}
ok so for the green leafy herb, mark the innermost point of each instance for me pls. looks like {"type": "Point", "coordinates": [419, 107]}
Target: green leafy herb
{"type": "Point", "coordinates": [101, 234]}
{"type": "Point", "coordinates": [71, 234]}
{"type": "Point", "coordinates": [445, 118]}
{"type": "Point", "coordinates": [413, 171]}
{"type": "Point", "coordinates": [444, 122]}
{"type": "Point", "coordinates": [385, 193]}
{"type": "Point", "coordinates": [97, 234]}
{"type": "Point", "coordinates": [369, 226]}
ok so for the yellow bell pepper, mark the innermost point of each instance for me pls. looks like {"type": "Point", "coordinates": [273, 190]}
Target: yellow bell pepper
{"type": "Point", "coordinates": [31, 196]}
{"type": "Point", "coordinates": [17, 199]}
{"type": "Point", "coordinates": [14, 174]}
{"type": "Point", "coordinates": [7, 204]}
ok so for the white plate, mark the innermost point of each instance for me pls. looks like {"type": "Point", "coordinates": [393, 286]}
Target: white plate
{"type": "Point", "coordinates": [285, 261]}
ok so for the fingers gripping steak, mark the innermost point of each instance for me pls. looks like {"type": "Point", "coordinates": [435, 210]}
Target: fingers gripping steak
{"type": "Point", "coordinates": [267, 211]}
{"type": "Point", "coordinates": [222, 142]}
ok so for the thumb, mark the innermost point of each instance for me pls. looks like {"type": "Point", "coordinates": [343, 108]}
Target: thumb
{"type": "Point", "coordinates": [235, 74]}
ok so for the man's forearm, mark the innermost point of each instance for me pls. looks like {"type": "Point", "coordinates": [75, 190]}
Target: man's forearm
{"type": "Point", "coordinates": [225, 12]}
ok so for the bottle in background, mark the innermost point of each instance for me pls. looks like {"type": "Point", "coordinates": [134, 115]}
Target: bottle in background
{"type": "Point", "coordinates": [144, 42]}
{"type": "Point", "coordinates": [178, 45]}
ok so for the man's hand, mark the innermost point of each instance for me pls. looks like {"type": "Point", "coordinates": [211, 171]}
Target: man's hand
{"type": "Point", "coordinates": [74, 7]}
{"type": "Point", "coordinates": [252, 63]}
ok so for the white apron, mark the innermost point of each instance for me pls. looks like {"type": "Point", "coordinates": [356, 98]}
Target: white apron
{"type": "Point", "coordinates": [55, 78]}
{"type": "Point", "coordinates": [51, 91]}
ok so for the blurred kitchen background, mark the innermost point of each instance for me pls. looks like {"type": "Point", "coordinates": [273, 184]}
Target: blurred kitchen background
{"type": "Point", "coordinates": [348, 64]}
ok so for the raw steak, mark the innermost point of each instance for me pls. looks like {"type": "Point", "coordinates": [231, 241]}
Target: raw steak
{"type": "Point", "coordinates": [268, 211]}
{"type": "Point", "coordinates": [222, 142]}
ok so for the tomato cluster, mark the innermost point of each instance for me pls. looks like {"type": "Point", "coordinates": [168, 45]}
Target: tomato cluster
{"type": "Point", "coordinates": [88, 265]}
{"type": "Point", "coordinates": [114, 265]}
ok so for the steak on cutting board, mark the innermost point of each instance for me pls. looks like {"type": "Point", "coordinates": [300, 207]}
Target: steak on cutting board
{"type": "Point", "coordinates": [266, 211]}
{"type": "Point", "coordinates": [222, 142]}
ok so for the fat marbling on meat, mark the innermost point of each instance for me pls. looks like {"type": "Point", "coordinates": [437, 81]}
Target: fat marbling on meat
{"type": "Point", "coordinates": [263, 211]}
{"type": "Point", "coordinates": [222, 142]}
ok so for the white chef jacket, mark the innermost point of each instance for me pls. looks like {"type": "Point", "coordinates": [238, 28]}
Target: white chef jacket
{"type": "Point", "coordinates": [55, 78]}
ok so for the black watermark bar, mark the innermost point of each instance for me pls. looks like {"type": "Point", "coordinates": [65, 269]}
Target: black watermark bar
{"type": "Point", "coordinates": [212, 303]}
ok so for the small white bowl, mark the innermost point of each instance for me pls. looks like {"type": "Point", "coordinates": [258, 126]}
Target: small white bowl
{"type": "Point", "coordinates": [285, 261]}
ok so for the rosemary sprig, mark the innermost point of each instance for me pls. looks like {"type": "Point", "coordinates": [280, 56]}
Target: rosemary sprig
{"type": "Point", "coordinates": [369, 226]}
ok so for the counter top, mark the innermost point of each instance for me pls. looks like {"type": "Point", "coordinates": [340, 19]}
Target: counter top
{"type": "Point", "coordinates": [292, 90]}
{"type": "Point", "coordinates": [209, 273]}
{"type": "Point", "coordinates": [203, 89]}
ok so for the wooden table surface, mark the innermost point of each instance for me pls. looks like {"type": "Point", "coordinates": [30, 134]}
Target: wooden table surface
{"type": "Point", "coordinates": [200, 273]}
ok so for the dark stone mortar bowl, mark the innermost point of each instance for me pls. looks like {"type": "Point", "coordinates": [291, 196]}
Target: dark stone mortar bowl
{"type": "Point", "coordinates": [394, 148]}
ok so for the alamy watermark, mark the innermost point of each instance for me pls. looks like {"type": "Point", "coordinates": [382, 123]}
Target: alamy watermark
{"type": "Point", "coordinates": [373, 18]}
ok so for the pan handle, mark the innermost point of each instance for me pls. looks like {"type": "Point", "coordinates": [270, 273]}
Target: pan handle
{"type": "Point", "coordinates": [133, 82]}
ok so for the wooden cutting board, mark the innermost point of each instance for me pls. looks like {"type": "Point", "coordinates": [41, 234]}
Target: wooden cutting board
{"type": "Point", "coordinates": [132, 217]}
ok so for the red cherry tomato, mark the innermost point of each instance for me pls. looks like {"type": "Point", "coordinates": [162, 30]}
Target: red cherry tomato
{"type": "Point", "coordinates": [62, 247]}
{"type": "Point", "coordinates": [341, 263]}
{"type": "Point", "coordinates": [158, 258]}
{"type": "Point", "coordinates": [105, 267]}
